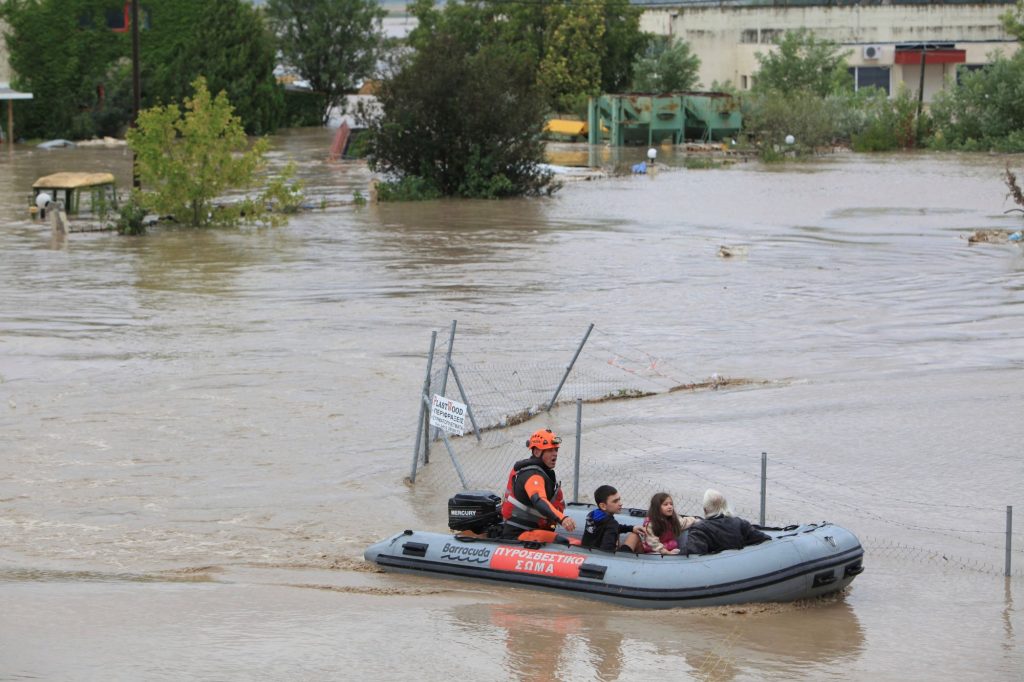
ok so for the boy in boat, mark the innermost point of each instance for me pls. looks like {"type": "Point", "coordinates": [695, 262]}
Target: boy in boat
{"type": "Point", "coordinates": [602, 530]}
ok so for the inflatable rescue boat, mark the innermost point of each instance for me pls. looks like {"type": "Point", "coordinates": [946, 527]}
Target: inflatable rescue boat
{"type": "Point", "coordinates": [799, 562]}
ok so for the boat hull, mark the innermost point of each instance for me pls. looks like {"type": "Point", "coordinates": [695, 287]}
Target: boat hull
{"type": "Point", "coordinates": [799, 563]}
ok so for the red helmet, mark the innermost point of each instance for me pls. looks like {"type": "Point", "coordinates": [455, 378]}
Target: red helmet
{"type": "Point", "coordinates": [544, 439]}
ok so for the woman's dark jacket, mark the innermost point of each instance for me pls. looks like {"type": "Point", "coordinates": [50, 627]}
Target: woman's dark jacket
{"type": "Point", "coordinates": [718, 533]}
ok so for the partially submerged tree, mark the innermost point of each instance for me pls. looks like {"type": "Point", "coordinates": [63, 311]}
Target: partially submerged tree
{"type": "Point", "coordinates": [461, 115]}
{"type": "Point", "coordinates": [666, 66]}
{"type": "Point", "coordinates": [187, 159]}
{"type": "Point", "coordinates": [803, 62]}
{"type": "Point", "coordinates": [334, 44]}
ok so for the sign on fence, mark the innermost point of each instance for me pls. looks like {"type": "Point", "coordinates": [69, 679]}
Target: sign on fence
{"type": "Point", "coordinates": [448, 415]}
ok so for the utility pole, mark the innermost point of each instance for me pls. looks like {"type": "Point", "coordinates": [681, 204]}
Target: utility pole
{"type": "Point", "coordinates": [136, 85]}
{"type": "Point", "coordinates": [920, 93]}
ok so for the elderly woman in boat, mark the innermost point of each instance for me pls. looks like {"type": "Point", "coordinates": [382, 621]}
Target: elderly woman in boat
{"type": "Point", "coordinates": [720, 530]}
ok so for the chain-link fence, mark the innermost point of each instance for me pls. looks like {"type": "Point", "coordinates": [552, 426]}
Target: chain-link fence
{"type": "Point", "coordinates": [588, 373]}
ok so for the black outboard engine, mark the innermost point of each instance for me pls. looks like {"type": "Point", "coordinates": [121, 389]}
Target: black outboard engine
{"type": "Point", "coordinates": [474, 510]}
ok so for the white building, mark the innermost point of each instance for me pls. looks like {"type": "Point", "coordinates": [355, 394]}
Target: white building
{"type": "Point", "coordinates": [885, 41]}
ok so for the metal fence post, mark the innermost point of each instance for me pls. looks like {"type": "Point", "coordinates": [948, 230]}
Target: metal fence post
{"type": "Point", "coordinates": [469, 408]}
{"type": "Point", "coordinates": [447, 366]}
{"type": "Point", "coordinates": [569, 367]}
{"type": "Point", "coordinates": [423, 394]}
{"type": "Point", "coordinates": [579, 440]}
{"type": "Point", "coordinates": [1009, 537]}
{"type": "Point", "coordinates": [455, 460]}
{"type": "Point", "coordinates": [764, 482]}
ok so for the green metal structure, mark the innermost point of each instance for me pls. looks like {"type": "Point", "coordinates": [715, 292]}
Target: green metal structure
{"type": "Point", "coordinates": [652, 119]}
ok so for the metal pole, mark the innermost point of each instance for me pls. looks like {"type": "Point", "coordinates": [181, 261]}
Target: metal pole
{"type": "Point", "coordinates": [447, 365]}
{"type": "Point", "coordinates": [455, 460]}
{"type": "Point", "coordinates": [569, 367]}
{"type": "Point", "coordinates": [764, 482]}
{"type": "Point", "coordinates": [136, 85]}
{"type": "Point", "coordinates": [920, 95]}
{"type": "Point", "coordinates": [579, 440]}
{"type": "Point", "coordinates": [423, 407]}
{"type": "Point", "coordinates": [469, 408]}
{"type": "Point", "coordinates": [1009, 537]}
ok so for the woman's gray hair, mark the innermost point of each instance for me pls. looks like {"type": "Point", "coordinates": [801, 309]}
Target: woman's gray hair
{"type": "Point", "coordinates": [715, 504]}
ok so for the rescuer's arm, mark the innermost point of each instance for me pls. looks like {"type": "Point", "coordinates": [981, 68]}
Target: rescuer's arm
{"type": "Point", "coordinates": [534, 487]}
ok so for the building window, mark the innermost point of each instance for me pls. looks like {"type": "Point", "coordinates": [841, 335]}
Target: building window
{"type": "Point", "coordinates": [749, 36]}
{"type": "Point", "coordinates": [872, 77]}
{"type": "Point", "coordinates": [963, 69]}
{"type": "Point", "coordinates": [771, 36]}
{"type": "Point", "coordinates": [744, 83]}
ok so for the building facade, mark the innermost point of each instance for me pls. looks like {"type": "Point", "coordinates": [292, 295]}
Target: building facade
{"type": "Point", "coordinates": [885, 42]}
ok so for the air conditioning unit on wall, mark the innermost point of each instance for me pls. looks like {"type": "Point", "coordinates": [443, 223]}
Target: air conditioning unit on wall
{"type": "Point", "coordinates": [872, 52]}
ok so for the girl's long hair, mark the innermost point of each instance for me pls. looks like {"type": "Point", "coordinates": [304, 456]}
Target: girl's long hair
{"type": "Point", "coordinates": [659, 522]}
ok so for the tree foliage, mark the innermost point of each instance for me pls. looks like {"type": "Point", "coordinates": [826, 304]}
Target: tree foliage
{"type": "Point", "coordinates": [78, 69]}
{"type": "Point", "coordinates": [985, 111]}
{"type": "Point", "coordinates": [579, 48]}
{"type": "Point", "coordinates": [58, 56]}
{"type": "Point", "coordinates": [803, 62]}
{"type": "Point", "coordinates": [1013, 21]}
{"type": "Point", "coordinates": [187, 158]}
{"type": "Point", "coordinates": [461, 114]}
{"type": "Point", "coordinates": [334, 44]}
{"type": "Point", "coordinates": [228, 43]}
{"type": "Point", "coordinates": [666, 66]}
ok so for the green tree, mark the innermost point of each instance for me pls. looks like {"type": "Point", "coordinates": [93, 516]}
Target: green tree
{"type": "Point", "coordinates": [1013, 21]}
{"type": "Point", "coordinates": [187, 158]}
{"type": "Point", "coordinates": [579, 47]}
{"type": "Point", "coordinates": [461, 114]}
{"type": "Point", "coordinates": [65, 53]}
{"type": "Point", "coordinates": [803, 62]}
{"type": "Point", "coordinates": [228, 43]}
{"type": "Point", "coordinates": [60, 50]}
{"type": "Point", "coordinates": [985, 111]}
{"type": "Point", "coordinates": [333, 44]}
{"type": "Point", "coordinates": [666, 66]}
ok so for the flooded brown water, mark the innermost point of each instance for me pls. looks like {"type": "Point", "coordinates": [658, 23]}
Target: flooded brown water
{"type": "Point", "coordinates": [203, 431]}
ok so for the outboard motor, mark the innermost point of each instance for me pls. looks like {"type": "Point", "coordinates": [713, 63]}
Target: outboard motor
{"type": "Point", "coordinates": [474, 510]}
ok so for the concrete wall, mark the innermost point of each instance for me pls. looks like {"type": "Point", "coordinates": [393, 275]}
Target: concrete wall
{"type": "Point", "coordinates": [728, 39]}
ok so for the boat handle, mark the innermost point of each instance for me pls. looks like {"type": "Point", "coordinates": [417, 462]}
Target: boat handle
{"type": "Point", "coordinates": [854, 569]}
{"type": "Point", "coordinates": [415, 549]}
{"type": "Point", "coordinates": [825, 578]}
{"type": "Point", "coordinates": [593, 571]}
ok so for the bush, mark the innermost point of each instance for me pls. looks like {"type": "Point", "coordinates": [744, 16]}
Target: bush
{"type": "Point", "coordinates": [304, 109]}
{"type": "Point", "coordinates": [132, 213]}
{"type": "Point", "coordinates": [890, 124]}
{"type": "Point", "coordinates": [186, 159]}
{"type": "Point", "coordinates": [773, 115]}
{"type": "Point", "coordinates": [461, 115]}
{"type": "Point", "coordinates": [985, 112]}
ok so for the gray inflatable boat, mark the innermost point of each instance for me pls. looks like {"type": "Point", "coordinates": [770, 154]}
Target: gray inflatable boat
{"type": "Point", "coordinates": [800, 562]}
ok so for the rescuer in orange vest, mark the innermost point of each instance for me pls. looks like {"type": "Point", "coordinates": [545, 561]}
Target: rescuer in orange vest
{"type": "Point", "coordinates": [533, 505]}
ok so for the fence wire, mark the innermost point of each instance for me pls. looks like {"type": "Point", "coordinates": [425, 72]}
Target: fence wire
{"type": "Point", "coordinates": [504, 396]}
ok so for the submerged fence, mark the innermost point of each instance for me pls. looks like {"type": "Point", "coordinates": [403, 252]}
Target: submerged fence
{"type": "Point", "coordinates": [572, 385]}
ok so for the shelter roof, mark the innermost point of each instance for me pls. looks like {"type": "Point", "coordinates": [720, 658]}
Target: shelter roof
{"type": "Point", "coordinates": [6, 92]}
{"type": "Point", "coordinates": [73, 180]}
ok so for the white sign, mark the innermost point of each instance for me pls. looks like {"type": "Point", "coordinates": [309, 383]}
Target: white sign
{"type": "Point", "coordinates": [448, 415]}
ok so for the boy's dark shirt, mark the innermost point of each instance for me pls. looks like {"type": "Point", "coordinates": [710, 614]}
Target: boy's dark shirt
{"type": "Point", "coordinates": [602, 531]}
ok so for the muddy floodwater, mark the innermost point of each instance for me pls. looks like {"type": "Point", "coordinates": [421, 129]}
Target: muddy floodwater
{"type": "Point", "coordinates": [202, 431]}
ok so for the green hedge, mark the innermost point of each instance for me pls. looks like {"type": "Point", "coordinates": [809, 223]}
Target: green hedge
{"type": "Point", "coordinates": [303, 109]}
